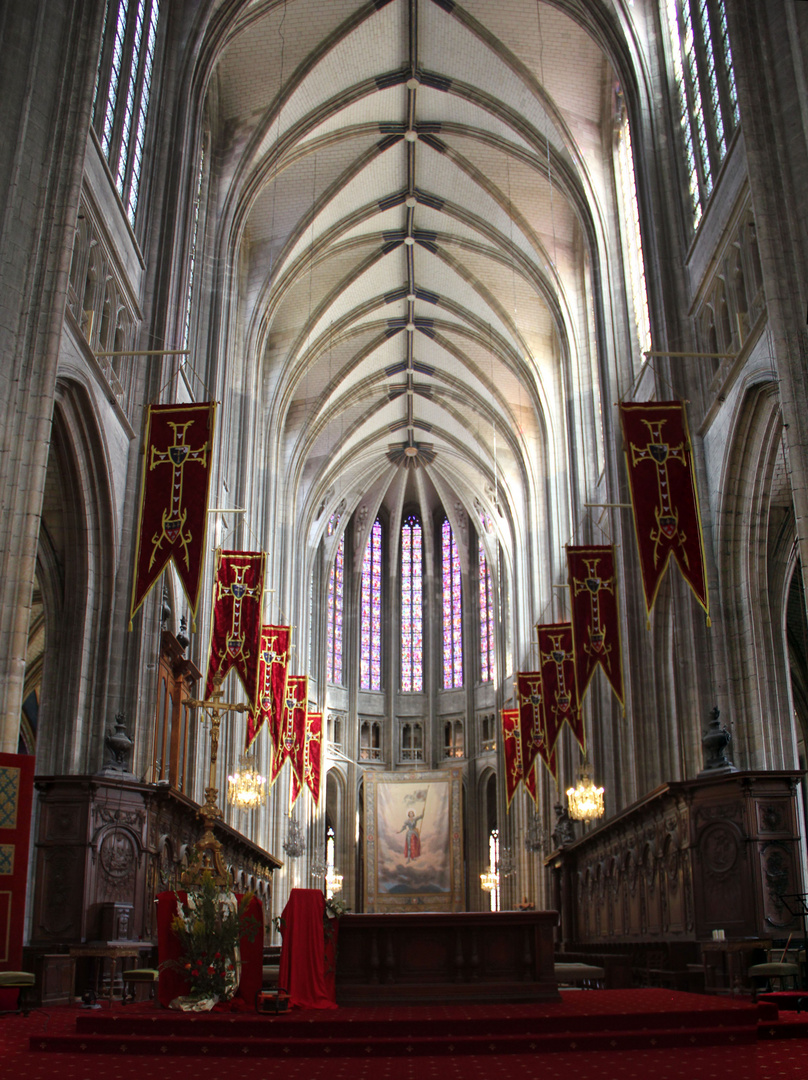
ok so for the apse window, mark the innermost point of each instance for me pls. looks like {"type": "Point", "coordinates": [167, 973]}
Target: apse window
{"type": "Point", "coordinates": [452, 610]}
{"type": "Point", "coordinates": [706, 97]}
{"type": "Point", "coordinates": [122, 91]}
{"type": "Point", "coordinates": [412, 644]}
{"type": "Point", "coordinates": [370, 645]}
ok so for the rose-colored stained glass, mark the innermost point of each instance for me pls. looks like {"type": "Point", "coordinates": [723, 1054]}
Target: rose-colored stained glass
{"type": "Point", "coordinates": [370, 644]}
{"type": "Point", "coordinates": [412, 652]}
{"type": "Point", "coordinates": [336, 581]}
{"type": "Point", "coordinates": [452, 610]}
{"type": "Point", "coordinates": [487, 655]}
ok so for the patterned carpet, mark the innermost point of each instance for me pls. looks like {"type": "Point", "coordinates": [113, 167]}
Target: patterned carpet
{"type": "Point", "coordinates": [672, 1036]}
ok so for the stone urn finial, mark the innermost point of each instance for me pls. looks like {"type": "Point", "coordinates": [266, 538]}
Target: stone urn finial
{"type": "Point", "coordinates": [119, 747]}
{"type": "Point", "coordinates": [715, 741]}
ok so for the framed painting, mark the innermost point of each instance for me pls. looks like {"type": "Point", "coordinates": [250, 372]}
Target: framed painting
{"type": "Point", "coordinates": [413, 841]}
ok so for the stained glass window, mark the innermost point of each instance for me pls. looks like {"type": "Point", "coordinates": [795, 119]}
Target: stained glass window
{"type": "Point", "coordinates": [122, 91]}
{"type": "Point", "coordinates": [488, 666]}
{"type": "Point", "coordinates": [452, 610]}
{"type": "Point", "coordinates": [370, 645]}
{"type": "Point", "coordinates": [336, 584]}
{"type": "Point", "coordinates": [702, 72]}
{"type": "Point", "coordinates": [412, 643]}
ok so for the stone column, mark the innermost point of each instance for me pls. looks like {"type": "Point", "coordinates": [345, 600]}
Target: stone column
{"type": "Point", "coordinates": [770, 47]}
{"type": "Point", "coordinates": [50, 53]}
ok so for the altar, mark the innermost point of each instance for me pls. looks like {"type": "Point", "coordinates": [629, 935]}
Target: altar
{"type": "Point", "coordinates": [419, 957]}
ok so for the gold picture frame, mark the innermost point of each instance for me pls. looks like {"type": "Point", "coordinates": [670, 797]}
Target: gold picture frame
{"type": "Point", "coordinates": [413, 841]}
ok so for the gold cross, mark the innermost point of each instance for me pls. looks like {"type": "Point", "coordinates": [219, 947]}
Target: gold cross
{"type": "Point", "coordinates": [209, 849]}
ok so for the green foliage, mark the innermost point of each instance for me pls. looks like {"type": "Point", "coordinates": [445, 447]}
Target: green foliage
{"type": "Point", "coordinates": [209, 930]}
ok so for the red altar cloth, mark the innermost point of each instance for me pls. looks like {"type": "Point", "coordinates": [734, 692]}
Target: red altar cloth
{"type": "Point", "coordinates": [172, 984]}
{"type": "Point", "coordinates": [308, 956]}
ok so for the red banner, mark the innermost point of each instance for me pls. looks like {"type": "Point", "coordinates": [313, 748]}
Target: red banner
{"type": "Point", "coordinates": [557, 663]}
{"type": "Point", "coordinates": [173, 516]}
{"type": "Point", "coordinates": [293, 733]}
{"type": "Point", "coordinates": [595, 618]}
{"type": "Point", "coordinates": [512, 750]}
{"type": "Point", "coordinates": [531, 778]}
{"type": "Point", "coordinates": [235, 634]}
{"type": "Point", "coordinates": [532, 724]}
{"type": "Point", "coordinates": [311, 758]}
{"type": "Point", "coordinates": [664, 500]}
{"type": "Point", "coordinates": [273, 665]}
{"type": "Point", "coordinates": [531, 783]}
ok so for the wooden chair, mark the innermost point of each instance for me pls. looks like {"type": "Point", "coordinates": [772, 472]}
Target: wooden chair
{"type": "Point", "coordinates": [783, 969]}
{"type": "Point", "coordinates": [138, 977]}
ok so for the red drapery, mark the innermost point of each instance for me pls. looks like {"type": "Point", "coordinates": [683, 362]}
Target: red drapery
{"type": "Point", "coordinates": [172, 984]}
{"type": "Point", "coordinates": [308, 956]}
{"type": "Point", "coordinates": [16, 798]}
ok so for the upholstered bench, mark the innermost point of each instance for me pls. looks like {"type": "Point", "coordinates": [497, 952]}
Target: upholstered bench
{"type": "Point", "coordinates": [22, 981]}
{"type": "Point", "coordinates": [138, 977]}
{"type": "Point", "coordinates": [573, 974]}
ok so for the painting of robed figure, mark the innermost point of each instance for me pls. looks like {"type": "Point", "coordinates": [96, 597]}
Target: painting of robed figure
{"type": "Point", "coordinates": [413, 841]}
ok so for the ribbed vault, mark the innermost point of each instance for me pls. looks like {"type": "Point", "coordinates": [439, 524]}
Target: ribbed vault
{"type": "Point", "coordinates": [411, 192]}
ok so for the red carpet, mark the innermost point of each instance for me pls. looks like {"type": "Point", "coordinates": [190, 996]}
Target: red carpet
{"type": "Point", "coordinates": [592, 1035]}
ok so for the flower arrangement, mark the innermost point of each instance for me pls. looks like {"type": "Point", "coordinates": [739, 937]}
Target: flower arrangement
{"type": "Point", "coordinates": [209, 927]}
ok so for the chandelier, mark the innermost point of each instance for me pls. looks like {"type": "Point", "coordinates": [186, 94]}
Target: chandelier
{"type": "Point", "coordinates": [489, 880]}
{"type": "Point", "coordinates": [333, 881]}
{"type": "Point", "coordinates": [319, 864]}
{"type": "Point", "coordinates": [246, 788]}
{"type": "Point", "coordinates": [536, 838]}
{"type": "Point", "coordinates": [295, 843]}
{"type": "Point", "coordinates": [585, 801]}
{"type": "Point", "coordinates": [506, 864]}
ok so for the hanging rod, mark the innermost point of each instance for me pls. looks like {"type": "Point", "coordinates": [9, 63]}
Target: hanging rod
{"type": "Point", "coordinates": [143, 352]}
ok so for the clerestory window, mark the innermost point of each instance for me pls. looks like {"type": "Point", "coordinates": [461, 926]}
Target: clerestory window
{"type": "Point", "coordinates": [122, 91]}
{"type": "Point", "coordinates": [707, 100]}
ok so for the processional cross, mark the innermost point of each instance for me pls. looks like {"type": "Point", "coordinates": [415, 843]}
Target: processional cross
{"type": "Point", "coordinates": [209, 849]}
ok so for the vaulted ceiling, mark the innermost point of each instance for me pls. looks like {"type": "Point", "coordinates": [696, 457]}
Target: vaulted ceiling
{"type": "Point", "coordinates": [411, 194]}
